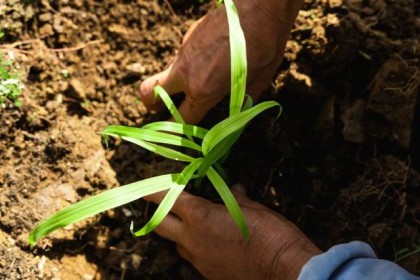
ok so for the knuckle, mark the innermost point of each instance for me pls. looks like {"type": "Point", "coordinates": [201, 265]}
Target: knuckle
{"type": "Point", "coordinates": [197, 211]}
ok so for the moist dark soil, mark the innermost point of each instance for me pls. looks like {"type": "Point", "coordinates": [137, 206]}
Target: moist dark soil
{"type": "Point", "coordinates": [342, 161]}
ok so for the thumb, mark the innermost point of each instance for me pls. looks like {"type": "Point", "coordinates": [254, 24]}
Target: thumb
{"type": "Point", "coordinates": [168, 79]}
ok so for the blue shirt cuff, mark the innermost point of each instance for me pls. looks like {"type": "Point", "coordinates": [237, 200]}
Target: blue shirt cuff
{"type": "Point", "coordinates": [354, 260]}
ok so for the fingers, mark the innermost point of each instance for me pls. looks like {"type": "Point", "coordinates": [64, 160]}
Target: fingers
{"type": "Point", "coordinates": [239, 192]}
{"type": "Point", "coordinates": [193, 111]}
{"type": "Point", "coordinates": [186, 201]}
{"type": "Point", "coordinates": [184, 253]}
{"type": "Point", "coordinates": [168, 79]}
{"type": "Point", "coordinates": [156, 198]}
{"type": "Point", "coordinates": [182, 204]}
{"type": "Point", "coordinates": [171, 228]}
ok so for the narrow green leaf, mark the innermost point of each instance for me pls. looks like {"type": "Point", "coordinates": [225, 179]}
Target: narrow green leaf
{"type": "Point", "coordinates": [219, 151]}
{"type": "Point", "coordinates": [170, 198]}
{"type": "Point", "coordinates": [248, 103]}
{"type": "Point", "coordinates": [163, 151]}
{"type": "Point", "coordinates": [105, 139]}
{"type": "Point", "coordinates": [218, 167]}
{"type": "Point", "coordinates": [233, 123]}
{"type": "Point", "coordinates": [229, 200]}
{"type": "Point", "coordinates": [235, 136]}
{"type": "Point", "coordinates": [161, 92]}
{"type": "Point", "coordinates": [238, 60]}
{"type": "Point", "coordinates": [186, 129]}
{"type": "Point", "coordinates": [151, 136]}
{"type": "Point", "coordinates": [102, 202]}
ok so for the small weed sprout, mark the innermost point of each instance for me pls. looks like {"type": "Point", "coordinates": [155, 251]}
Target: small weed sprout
{"type": "Point", "coordinates": [210, 146]}
{"type": "Point", "coordinates": [65, 73]}
{"type": "Point", "coordinates": [402, 254]}
{"type": "Point", "coordinates": [10, 85]}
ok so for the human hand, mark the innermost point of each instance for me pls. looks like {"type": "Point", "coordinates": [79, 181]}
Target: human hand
{"type": "Point", "coordinates": [207, 237]}
{"type": "Point", "coordinates": [201, 69]}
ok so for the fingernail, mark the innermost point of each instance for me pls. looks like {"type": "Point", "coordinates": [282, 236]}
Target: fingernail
{"type": "Point", "coordinates": [239, 188]}
{"type": "Point", "coordinates": [145, 88]}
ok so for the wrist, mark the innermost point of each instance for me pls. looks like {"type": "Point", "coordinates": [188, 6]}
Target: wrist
{"type": "Point", "coordinates": [289, 261]}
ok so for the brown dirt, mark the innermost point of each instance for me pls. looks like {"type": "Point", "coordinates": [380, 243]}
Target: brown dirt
{"type": "Point", "coordinates": [342, 161]}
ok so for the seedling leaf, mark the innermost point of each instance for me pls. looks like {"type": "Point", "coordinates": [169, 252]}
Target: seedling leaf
{"type": "Point", "coordinates": [151, 136]}
{"type": "Point", "coordinates": [233, 123]}
{"type": "Point", "coordinates": [238, 62]}
{"type": "Point", "coordinates": [166, 205]}
{"type": "Point", "coordinates": [160, 150]}
{"type": "Point", "coordinates": [229, 200]}
{"type": "Point", "coordinates": [161, 92]}
{"type": "Point", "coordinates": [102, 202]}
{"type": "Point", "coordinates": [186, 129]}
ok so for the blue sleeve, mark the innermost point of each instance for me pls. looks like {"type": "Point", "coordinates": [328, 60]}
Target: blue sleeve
{"type": "Point", "coordinates": [354, 260]}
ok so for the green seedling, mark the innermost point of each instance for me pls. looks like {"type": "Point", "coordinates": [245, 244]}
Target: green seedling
{"type": "Point", "coordinates": [10, 85]}
{"type": "Point", "coordinates": [209, 149]}
{"type": "Point", "coordinates": [65, 73]}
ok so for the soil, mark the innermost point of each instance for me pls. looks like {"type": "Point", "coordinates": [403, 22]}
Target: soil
{"type": "Point", "coordinates": [342, 162]}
